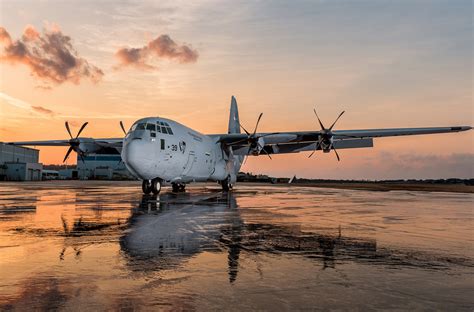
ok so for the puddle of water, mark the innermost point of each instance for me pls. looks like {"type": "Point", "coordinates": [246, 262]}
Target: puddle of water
{"type": "Point", "coordinates": [102, 245]}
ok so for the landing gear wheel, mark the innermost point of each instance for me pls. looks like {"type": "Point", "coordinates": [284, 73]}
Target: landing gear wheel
{"type": "Point", "coordinates": [156, 186]}
{"type": "Point", "coordinates": [226, 184]}
{"type": "Point", "coordinates": [178, 187]}
{"type": "Point", "coordinates": [146, 186]}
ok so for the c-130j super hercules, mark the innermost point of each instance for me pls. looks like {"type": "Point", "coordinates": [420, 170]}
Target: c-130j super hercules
{"type": "Point", "coordinates": [162, 151]}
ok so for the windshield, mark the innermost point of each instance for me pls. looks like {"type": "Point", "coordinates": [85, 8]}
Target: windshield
{"type": "Point", "coordinates": [159, 126]}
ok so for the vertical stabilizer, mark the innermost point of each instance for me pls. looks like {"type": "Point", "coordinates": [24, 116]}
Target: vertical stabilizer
{"type": "Point", "coordinates": [234, 126]}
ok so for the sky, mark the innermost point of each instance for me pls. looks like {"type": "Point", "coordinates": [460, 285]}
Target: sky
{"type": "Point", "coordinates": [386, 63]}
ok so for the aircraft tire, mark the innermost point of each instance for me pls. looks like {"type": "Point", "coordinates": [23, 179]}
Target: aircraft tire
{"type": "Point", "coordinates": [146, 186]}
{"type": "Point", "coordinates": [226, 185]}
{"type": "Point", "coordinates": [156, 186]}
{"type": "Point", "coordinates": [178, 187]}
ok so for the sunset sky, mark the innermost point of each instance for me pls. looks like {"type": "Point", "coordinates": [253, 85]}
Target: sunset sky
{"type": "Point", "coordinates": [386, 63]}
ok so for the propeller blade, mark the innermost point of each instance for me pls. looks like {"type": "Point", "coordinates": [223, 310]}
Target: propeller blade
{"type": "Point", "coordinates": [330, 128]}
{"type": "Point", "coordinates": [68, 152]}
{"type": "Point", "coordinates": [123, 128]}
{"type": "Point", "coordinates": [250, 148]}
{"type": "Point", "coordinates": [320, 123]}
{"type": "Point", "coordinates": [258, 121]}
{"type": "Point", "coordinates": [82, 158]}
{"type": "Point", "coordinates": [315, 149]}
{"type": "Point", "coordinates": [248, 133]}
{"type": "Point", "coordinates": [68, 129]}
{"type": "Point", "coordinates": [266, 153]}
{"type": "Point", "coordinates": [82, 128]}
{"type": "Point", "coordinates": [337, 155]}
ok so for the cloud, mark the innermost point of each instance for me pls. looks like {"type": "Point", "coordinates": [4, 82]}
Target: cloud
{"type": "Point", "coordinates": [162, 47]}
{"type": "Point", "coordinates": [24, 105]}
{"type": "Point", "coordinates": [42, 110]}
{"type": "Point", "coordinates": [50, 56]}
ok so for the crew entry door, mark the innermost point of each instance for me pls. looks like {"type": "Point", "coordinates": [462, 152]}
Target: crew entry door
{"type": "Point", "coordinates": [189, 164]}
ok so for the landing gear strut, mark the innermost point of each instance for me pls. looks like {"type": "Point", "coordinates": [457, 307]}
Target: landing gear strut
{"type": "Point", "coordinates": [178, 187]}
{"type": "Point", "coordinates": [151, 186]}
{"type": "Point", "coordinates": [226, 184]}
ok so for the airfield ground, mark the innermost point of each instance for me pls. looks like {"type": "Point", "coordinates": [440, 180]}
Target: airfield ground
{"type": "Point", "coordinates": [92, 245]}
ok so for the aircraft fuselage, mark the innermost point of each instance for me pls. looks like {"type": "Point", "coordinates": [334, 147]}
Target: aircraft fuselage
{"type": "Point", "coordinates": [150, 150]}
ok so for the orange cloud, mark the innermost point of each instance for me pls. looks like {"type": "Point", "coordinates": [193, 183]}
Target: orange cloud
{"type": "Point", "coordinates": [161, 47]}
{"type": "Point", "coordinates": [41, 109]}
{"type": "Point", "coordinates": [50, 56]}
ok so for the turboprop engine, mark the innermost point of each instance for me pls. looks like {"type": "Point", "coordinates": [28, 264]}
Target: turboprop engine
{"type": "Point", "coordinates": [82, 146]}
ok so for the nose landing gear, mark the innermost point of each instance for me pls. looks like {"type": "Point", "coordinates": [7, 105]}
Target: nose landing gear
{"type": "Point", "coordinates": [151, 186]}
{"type": "Point", "coordinates": [178, 187]}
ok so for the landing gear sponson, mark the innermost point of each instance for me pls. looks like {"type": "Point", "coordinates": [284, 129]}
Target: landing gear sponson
{"type": "Point", "coordinates": [151, 186]}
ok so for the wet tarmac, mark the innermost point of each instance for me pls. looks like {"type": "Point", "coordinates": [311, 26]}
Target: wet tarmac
{"type": "Point", "coordinates": [89, 245]}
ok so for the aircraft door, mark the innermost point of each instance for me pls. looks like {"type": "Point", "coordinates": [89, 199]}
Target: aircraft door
{"type": "Point", "coordinates": [189, 164]}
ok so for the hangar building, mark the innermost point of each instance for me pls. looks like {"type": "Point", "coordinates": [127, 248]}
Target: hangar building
{"type": "Point", "coordinates": [107, 165]}
{"type": "Point", "coordinates": [18, 163]}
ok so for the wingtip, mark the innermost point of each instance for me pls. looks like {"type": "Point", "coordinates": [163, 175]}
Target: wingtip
{"type": "Point", "coordinates": [461, 128]}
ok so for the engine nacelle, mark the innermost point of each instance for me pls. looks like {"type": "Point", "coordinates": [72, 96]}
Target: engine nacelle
{"type": "Point", "coordinates": [326, 144]}
{"type": "Point", "coordinates": [87, 146]}
{"type": "Point", "coordinates": [257, 146]}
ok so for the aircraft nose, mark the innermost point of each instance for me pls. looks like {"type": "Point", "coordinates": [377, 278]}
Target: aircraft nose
{"type": "Point", "coordinates": [134, 157]}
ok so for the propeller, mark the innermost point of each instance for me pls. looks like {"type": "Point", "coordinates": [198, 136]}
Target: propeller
{"type": "Point", "coordinates": [74, 141]}
{"type": "Point", "coordinates": [123, 128]}
{"type": "Point", "coordinates": [253, 139]}
{"type": "Point", "coordinates": [325, 140]}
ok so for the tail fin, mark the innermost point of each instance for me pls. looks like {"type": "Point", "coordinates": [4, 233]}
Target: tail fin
{"type": "Point", "coordinates": [234, 123]}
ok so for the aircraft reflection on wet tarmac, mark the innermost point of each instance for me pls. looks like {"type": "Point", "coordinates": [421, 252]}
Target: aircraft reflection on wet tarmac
{"type": "Point", "coordinates": [168, 229]}
{"type": "Point", "coordinates": [55, 241]}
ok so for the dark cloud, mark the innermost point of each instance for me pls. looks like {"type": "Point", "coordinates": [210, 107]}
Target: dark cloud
{"type": "Point", "coordinates": [42, 110]}
{"type": "Point", "coordinates": [161, 47]}
{"type": "Point", "coordinates": [50, 56]}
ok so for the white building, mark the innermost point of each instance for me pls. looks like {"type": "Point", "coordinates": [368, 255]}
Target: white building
{"type": "Point", "coordinates": [106, 166]}
{"type": "Point", "coordinates": [19, 163]}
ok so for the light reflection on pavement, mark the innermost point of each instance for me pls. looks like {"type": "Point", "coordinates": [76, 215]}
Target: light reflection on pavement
{"type": "Point", "coordinates": [102, 245]}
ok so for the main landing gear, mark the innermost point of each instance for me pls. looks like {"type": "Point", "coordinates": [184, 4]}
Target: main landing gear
{"type": "Point", "coordinates": [151, 186]}
{"type": "Point", "coordinates": [226, 184]}
{"type": "Point", "coordinates": [178, 187]}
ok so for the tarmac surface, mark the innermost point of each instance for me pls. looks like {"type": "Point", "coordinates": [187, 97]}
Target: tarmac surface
{"type": "Point", "coordinates": [88, 245]}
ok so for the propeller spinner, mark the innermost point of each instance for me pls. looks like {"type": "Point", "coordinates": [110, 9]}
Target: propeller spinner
{"type": "Point", "coordinates": [255, 141]}
{"type": "Point", "coordinates": [74, 142]}
{"type": "Point", "coordinates": [325, 140]}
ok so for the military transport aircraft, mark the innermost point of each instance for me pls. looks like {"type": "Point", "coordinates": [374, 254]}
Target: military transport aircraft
{"type": "Point", "coordinates": [162, 151]}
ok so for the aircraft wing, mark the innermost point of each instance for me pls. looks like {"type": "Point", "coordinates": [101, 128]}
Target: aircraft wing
{"type": "Point", "coordinates": [294, 142]}
{"type": "Point", "coordinates": [106, 142]}
{"type": "Point", "coordinates": [378, 133]}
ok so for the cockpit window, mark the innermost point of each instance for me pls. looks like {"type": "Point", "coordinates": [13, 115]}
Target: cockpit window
{"type": "Point", "coordinates": [163, 127]}
{"type": "Point", "coordinates": [151, 127]}
{"type": "Point", "coordinates": [160, 126]}
{"type": "Point", "coordinates": [141, 126]}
